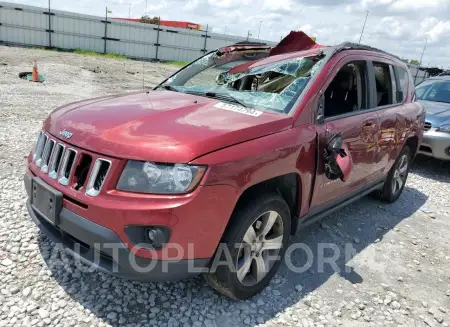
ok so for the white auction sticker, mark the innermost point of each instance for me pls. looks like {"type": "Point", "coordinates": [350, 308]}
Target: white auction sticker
{"type": "Point", "coordinates": [239, 109]}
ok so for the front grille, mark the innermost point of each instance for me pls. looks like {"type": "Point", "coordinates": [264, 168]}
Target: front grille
{"type": "Point", "coordinates": [68, 162]}
{"type": "Point", "coordinates": [427, 126]}
{"type": "Point", "coordinates": [40, 146]}
{"type": "Point", "coordinates": [98, 175]}
{"type": "Point", "coordinates": [46, 155]}
{"type": "Point", "coordinates": [82, 170]}
{"type": "Point", "coordinates": [55, 161]}
{"type": "Point", "coordinates": [70, 167]}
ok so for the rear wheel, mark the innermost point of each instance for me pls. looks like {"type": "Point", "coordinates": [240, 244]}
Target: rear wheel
{"type": "Point", "coordinates": [255, 241]}
{"type": "Point", "coordinates": [396, 179]}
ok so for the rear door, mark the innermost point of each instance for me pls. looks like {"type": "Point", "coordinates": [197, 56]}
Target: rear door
{"type": "Point", "coordinates": [392, 109]}
{"type": "Point", "coordinates": [348, 111]}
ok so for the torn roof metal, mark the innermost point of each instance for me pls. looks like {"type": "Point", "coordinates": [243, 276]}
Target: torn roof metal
{"type": "Point", "coordinates": [293, 42]}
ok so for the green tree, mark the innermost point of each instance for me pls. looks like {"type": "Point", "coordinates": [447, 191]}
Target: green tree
{"type": "Point", "coordinates": [147, 20]}
{"type": "Point", "coordinates": [415, 62]}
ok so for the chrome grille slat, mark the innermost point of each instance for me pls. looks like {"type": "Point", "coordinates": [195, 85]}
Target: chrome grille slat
{"type": "Point", "coordinates": [48, 150]}
{"type": "Point", "coordinates": [59, 162]}
{"type": "Point", "coordinates": [92, 189]}
{"type": "Point", "coordinates": [66, 169]}
{"type": "Point", "coordinates": [54, 164]}
{"type": "Point", "coordinates": [37, 145]}
{"type": "Point", "coordinates": [40, 150]}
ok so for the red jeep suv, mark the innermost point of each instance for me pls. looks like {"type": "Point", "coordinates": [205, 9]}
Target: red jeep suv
{"type": "Point", "coordinates": [223, 161]}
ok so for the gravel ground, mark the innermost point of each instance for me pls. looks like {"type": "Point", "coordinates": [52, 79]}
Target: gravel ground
{"type": "Point", "coordinates": [399, 275]}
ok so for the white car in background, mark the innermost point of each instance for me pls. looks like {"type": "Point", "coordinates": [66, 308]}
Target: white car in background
{"type": "Point", "coordinates": [434, 94]}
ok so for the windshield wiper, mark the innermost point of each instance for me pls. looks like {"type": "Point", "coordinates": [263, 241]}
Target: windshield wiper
{"type": "Point", "coordinates": [168, 88]}
{"type": "Point", "coordinates": [225, 97]}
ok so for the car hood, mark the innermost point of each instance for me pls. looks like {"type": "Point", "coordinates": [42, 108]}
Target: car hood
{"type": "Point", "coordinates": [160, 126]}
{"type": "Point", "coordinates": [437, 113]}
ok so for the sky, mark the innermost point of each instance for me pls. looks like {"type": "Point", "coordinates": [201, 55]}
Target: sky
{"type": "Point", "coordinates": [397, 26]}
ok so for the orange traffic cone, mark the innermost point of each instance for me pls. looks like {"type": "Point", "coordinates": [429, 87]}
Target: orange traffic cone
{"type": "Point", "coordinates": [35, 75]}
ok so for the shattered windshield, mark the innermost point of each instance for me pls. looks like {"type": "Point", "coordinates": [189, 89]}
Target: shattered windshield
{"type": "Point", "coordinates": [236, 78]}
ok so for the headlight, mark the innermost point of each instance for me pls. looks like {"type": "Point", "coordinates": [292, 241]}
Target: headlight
{"type": "Point", "coordinates": [149, 177]}
{"type": "Point", "coordinates": [444, 128]}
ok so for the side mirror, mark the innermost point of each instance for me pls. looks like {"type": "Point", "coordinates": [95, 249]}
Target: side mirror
{"type": "Point", "coordinates": [335, 143]}
{"type": "Point", "coordinates": [338, 163]}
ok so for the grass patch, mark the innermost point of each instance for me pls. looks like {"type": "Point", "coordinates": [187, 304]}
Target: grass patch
{"type": "Point", "coordinates": [84, 52]}
{"type": "Point", "coordinates": [177, 63]}
{"type": "Point", "coordinates": [96, 54]}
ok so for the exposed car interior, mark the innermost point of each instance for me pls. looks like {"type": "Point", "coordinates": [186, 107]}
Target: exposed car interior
{"type": "Point", "coordinates": [384, 84]}
{"type": "Point", "coordinates": [274, 86]}
{"type": "Point", "coordinates": [347, 92]}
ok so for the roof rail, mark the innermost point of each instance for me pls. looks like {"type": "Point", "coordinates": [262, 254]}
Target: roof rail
{"type": "Point", "coordinates": [356, 46]}
{"type": "Point", "coordinates": [249, 43]}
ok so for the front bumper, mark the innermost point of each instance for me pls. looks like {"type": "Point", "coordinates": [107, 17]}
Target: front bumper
{"type": "Point", "coordinates": [101, 248]}
{"type": "Point", "coordinates": [436, 144]}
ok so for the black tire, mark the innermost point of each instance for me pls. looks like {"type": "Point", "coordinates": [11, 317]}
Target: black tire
{"type": "Point", "coordinates": [387, 193]}
{"type": "Point", "coordinates": [224, 279]}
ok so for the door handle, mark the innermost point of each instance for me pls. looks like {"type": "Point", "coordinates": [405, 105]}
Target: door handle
{"type": "Point", "coordinates": [369, 124]}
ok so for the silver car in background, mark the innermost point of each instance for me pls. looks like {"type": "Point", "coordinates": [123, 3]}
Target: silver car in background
{"type": "Point", "coordinates": [434, 94]}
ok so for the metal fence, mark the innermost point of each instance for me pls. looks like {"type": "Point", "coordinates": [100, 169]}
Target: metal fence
{"type": "Point", "coordinates": [36, 26]}
{"type": "Point", "coordinates": [417, 74]}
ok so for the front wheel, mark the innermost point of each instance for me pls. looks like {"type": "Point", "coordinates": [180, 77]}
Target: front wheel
{"type": "Point", "coordinates": [396, 179]}
{"type": "Point", "coordinates": [252, 248]}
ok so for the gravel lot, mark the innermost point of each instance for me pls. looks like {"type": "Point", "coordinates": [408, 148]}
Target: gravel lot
{"type": "Point", "coordinates": [399, 276]}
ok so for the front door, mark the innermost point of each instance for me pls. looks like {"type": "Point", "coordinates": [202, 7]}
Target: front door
{"type": "Point", "coordinates": [346, 111]}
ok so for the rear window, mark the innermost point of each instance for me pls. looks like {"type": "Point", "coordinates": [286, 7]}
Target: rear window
{"type": "Point", "coordinates": [403, 78]}
{"type": "Point", "coordinates": [384, 82]}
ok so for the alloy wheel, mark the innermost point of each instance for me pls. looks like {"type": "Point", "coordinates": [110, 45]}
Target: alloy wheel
{"type": "Point", "coordinates": [400, 174]}
{"type": "Point", "coordinates": [260, 248]}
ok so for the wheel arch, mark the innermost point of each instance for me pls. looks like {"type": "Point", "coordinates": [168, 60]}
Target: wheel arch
{"type": "Point", "coordinates": [288, 186]}
{"type": "Point", "coordinates": [413, 144]}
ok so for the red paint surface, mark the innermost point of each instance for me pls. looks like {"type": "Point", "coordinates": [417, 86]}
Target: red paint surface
{"type": "Point", "coordinates": [239, 150]}
{"type": "Point", "coordinates": [169, 23]}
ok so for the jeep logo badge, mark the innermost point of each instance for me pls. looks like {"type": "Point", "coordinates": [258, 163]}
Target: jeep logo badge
{"type": "Point", "coordinates": [66, 134]}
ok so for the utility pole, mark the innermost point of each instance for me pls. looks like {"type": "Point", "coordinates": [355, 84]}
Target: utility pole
{"type": "Point", "coordinates": [362, 32]}
{"type": "Point", "coordinates": [146, 1]}
{"type": "Point", "coordinates": [248, 34]}
{"type": "Point", "coordinates": [106, 28]}
{"type": "Point", "coordinates": [157, 38]}
{"type": "Point", "coordinates": [49, 26]}
{"type": "Point", "coordinates": [129, 11]}
{"type": "Point", "coordinates": [225, 30]}
{"type": "Point", "coordinates": [421, 58]}
{"type": "Point", "coordinates": [259, 31]}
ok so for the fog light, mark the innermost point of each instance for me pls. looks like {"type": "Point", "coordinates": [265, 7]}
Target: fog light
{"type": "Point", "coordinates": [448, 151]}
{"type": "Point", "coordinates": [148, 237]}
{"type": "Point", "coordinates": [157, 237]}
